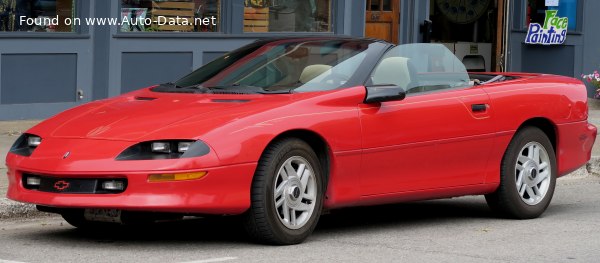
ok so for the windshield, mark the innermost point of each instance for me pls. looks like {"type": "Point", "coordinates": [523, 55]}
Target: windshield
{"type": "Point", "coordinates": [289, 65]}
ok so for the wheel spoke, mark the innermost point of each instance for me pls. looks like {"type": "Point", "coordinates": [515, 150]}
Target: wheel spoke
{"type": "Point", "coordinates": [290, 170]}
{"type": "Point", "coordinates": [536, 191]}
{"type": "Point", "coordinates": [310, 196]}
{"type": "Point", "coordinates": [293, 216]}
{"type": "Point", "coordinates": [536, 155]}
{"type": "Point", "coordinates": [523, 159]}
{"type": "Point", "coordinates": [522, 189]}
{"type": "Point", "coordinates": [530, 192]}
{"type": "Point", "coordinates": [519, 167]}
{"type": "Point", "coordinates": [301, 169]}
{"type": "Point", "coordinates": [279, 189]}
{"type": "Point", "coordinates": [303, 207]}
{"type": "Point", "coordinates": [541, 177]}
{"type": "Point", "coordinates": [520, 178]}
{"type": "Point", "coordinates": [286, 212]}
{"type": "Point", "coordinates": [543, 165]}
{"type": "Point", "coordinates": [279, 202]}
{"type": "Point", "coordinates": [304, 179]}
{"type": "Point", "coordinates": [530, 151]}
{"type": "Point", "coordinates": [283, 174]}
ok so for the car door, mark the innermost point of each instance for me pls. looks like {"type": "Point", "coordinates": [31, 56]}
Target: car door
{"type": "Point", "coordinates": [439, 136]}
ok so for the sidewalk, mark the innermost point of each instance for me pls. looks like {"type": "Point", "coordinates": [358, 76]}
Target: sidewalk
{"type": "Point", "coordinates": [10, 131]}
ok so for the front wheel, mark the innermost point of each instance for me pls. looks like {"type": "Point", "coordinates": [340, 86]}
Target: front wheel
{"type": "Point", "coordinates": [287, 194]}
{"type": "Point", "coordinates": [527, 176]}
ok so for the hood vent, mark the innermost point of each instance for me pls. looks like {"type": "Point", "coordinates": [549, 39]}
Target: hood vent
{"type": "Point", "coordinates": [229, 101]}
{"type": "Point", "coordinates": [144, 98]}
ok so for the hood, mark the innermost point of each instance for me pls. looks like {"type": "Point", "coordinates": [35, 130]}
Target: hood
{"type": "Point", "coordinates": [143, 115]}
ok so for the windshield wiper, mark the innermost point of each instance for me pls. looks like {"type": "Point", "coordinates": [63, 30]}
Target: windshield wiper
{"type": "Point", "coordinates": [239, 88]}
{"type": "Point", "coordinates": [172, 84]}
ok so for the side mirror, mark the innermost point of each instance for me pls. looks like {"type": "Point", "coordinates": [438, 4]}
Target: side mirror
{"type": "Point", "coordinates": [383, 93]}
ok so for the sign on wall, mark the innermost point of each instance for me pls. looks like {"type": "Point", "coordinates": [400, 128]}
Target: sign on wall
{"type": "Point", "coordinates": [553, 32]}
{"type": "Point", "coordinates": [551, 2]}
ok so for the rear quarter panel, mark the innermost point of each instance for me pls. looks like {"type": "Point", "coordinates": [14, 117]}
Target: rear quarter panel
{"type": "Point", "coordinates": [560, 100]}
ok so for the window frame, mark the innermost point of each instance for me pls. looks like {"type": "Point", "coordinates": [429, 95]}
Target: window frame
{"type": "Point", "coordinates": [521, 24]}
{"type": "Point", "coordinates": [221, 24]}
{"type": "Point", "coordinates": [82, 11]}
{"type": "Point", "coordinates": [333, 6]}
{"type": "Point", "coordinates": [232, 25]}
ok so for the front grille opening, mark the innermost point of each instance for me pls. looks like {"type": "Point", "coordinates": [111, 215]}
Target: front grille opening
{"type": "Point", "coordinates": [69, 185]}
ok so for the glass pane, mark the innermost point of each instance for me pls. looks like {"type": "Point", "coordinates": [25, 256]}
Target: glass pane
{"type": "Point", "coordinates": [170, 16]}
{"type": "Point", "coordinates": [375, 5]}
{"type": "Point", "coordinates": [37, 16]}
{"type": "Point", "coordinates": [387, 5]}
{"type": "Point", "coordinates": [421, 68]}
{"type": "Point", "coordinates": [284, 65]}
{"type": "Point", "coordinates": [287, 16]}
{"type": "Point", "coordinates": [536, 11]}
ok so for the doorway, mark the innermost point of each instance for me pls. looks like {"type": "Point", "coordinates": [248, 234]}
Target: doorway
{"type": "Point", "coordinates": [474, 30]}
{"type": "Point", "coordinates": [382, 19]}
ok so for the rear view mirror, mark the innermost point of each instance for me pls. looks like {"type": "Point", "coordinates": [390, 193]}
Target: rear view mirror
{"type": "Point", "coordinates": [383, 93]}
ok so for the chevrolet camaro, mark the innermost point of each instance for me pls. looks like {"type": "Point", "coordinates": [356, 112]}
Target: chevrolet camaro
{"type": "Point", "coordinates": [282, 129]}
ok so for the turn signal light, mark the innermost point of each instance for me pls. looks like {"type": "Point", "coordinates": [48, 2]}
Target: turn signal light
{"type": "Point", "coordinates": [176, 177]}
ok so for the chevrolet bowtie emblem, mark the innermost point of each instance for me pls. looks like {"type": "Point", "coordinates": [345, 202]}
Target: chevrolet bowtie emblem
{"type": "Point", "coordinates": [61, 185]}
{"type": "Point", "coordinates": [66, 155]}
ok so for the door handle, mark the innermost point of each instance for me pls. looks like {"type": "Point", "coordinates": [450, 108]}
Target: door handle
{"type": "Point", "coordinates": [479, 107]}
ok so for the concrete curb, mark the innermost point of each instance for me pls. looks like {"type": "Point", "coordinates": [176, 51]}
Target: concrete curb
{"type": "Point", "coordinates": [14, 210]}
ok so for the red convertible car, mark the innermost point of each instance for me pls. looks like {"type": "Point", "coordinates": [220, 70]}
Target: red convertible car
{"type": "Point", "coordinates": [282, 129]}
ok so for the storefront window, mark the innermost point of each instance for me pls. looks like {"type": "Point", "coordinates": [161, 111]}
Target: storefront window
{"type": "Point", "coordinates": [287, 16]}
{"type": "Point", "coordinates": [37, 16]}
{"type": "Point", "coordinates": [170, 16]}
{"type": "Point", "coordinates": [536, 11]}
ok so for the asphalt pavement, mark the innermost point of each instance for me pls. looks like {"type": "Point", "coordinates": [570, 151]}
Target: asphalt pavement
{"type": "Point", "coordinates": [449, 230]}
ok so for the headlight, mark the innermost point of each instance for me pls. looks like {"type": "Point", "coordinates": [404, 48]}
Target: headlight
{"type": "Point", "coordinates": [164, 149]}
{"type": "Point", "coordinates": [33, 141]}
{"type": "Point", "coordinates": [25, 144]}
{"type": "Point", "coordinates": [161, 147]}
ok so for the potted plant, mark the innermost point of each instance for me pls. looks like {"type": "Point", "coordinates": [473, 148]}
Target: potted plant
{"type": "Point", "coordinates": [594, 80]}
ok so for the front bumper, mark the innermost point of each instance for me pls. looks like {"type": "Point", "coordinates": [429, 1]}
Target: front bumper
{"type": "Point", "coordinates": [224, 190]}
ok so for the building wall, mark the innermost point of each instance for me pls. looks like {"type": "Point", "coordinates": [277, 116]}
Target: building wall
{"type": "Point", "coordinates": [37, 79]}
{"type": "Point", "coordinates": [412, 15]}
{"type": "Point", "coordinates": [42, 74]}
{"type": "Point", "coordinates": [579, 54]}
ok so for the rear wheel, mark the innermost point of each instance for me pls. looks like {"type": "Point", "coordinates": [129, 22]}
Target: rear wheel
{"type": "Point", "coordinates": [527, 176]}
{"type": "Point", "coordinates": [287, 194]}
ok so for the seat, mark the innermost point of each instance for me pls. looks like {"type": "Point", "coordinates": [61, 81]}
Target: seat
{"type": "Point", "coordinates": [394, 71]}
{"type": "Point", "coordinates": [312, 71]}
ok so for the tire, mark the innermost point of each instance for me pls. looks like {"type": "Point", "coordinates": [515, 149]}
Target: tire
{"type": "Point", "coordinates": [527, 176]}
{"type": "Point", "coordinates": [267, 220]}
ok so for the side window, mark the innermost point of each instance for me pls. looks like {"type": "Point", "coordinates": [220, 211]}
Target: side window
{"type": "Point", "coordinates": [420, 68]}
